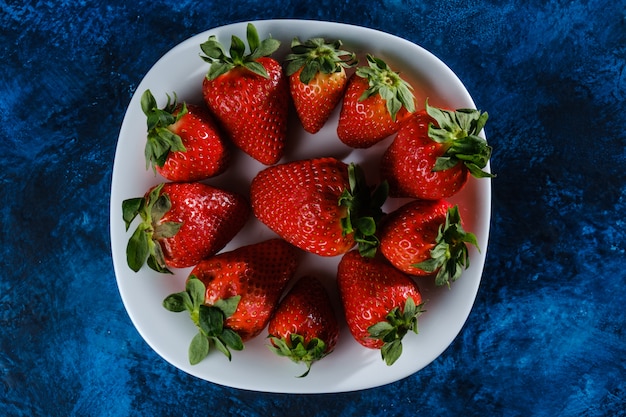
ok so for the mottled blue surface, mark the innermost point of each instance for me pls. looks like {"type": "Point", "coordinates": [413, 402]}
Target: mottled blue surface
{"type": "Point", "coordinates": [546, 336]}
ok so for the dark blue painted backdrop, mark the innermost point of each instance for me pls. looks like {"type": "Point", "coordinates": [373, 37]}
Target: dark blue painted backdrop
{"type": "Point", "coordinates": [546, 336]}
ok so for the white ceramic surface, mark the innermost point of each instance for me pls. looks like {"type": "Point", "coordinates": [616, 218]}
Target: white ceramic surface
{"type": "Point", "coordinates": [351, 366]}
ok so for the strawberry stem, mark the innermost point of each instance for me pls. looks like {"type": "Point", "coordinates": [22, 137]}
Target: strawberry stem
{"type": "Point", "coordinates": [396, 92]}
{"type": "Point", "coordinates": [316, 55]}
{"type": "Point", "coordinates": [209, 319]}
{"type": "Point", "coordinates": [161, 140]}
{"type": "Point", "coordinates": [459, 131]}
{"type": "Point", "coordinates": [221, 62]}
{"type": "Point", "coordinates": [396, 325]}
{"type": "Point", "coordinates": [364, 210]}
{"type": "Point", "coordinates": [143, 245]}
{"type": "Point", "coordinates": [450, 255]}
{"type": "Point", "coordinates": [298, 351]}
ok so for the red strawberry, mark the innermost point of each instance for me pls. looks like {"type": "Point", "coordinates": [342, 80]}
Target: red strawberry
{"type": "Point", "coordinates": [381, 303]}
{"type": "Point", "coordinates": [182, 223]}
{"type": "Point", "coordinates": [322, 206]}
{"type": "Point", "coordinates": [249, 94]}
{"type": "Point", "coordinates": [317, 79]}
{"type": "Point", "coordinates": [183, 143]}
{"type": "Point", "coordinates": [434, 153]}
{"type": "Point", "coordinates": [376, 102]}
{"type": "Point", "coordinates": [304, 328]}
{"type": "Point", "coordinates": [232, 295]}
{"type": "Point", "coordinates": [426, 237]}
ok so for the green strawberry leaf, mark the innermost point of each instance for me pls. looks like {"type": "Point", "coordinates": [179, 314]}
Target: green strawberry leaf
{"type": "Point", "coordinates": [391, 351]}
{"type": "Point", "coordinates": [458, 131]}
{"type": "Point", "coordinates": [450, 255]}
{"type": "Point", "coordinates": [228, 306]}
{"type": "Point", "coordinates": [130, 209]}
{"type": "Point", "coordinates": [138, 248]}
{"type": "Point", "coordinates": [316, 55]}
{"type": "Point", "coordinates": [198, 348]}
{"type": "Point", "coordinates": [393, 329]}
{"type": "Point", "coordinates": [221, 62]}
{"type": "Point", "coordinates": [295, 348]}
{"type": "Point", "coordinates": [218, 69]}
{"type": "Point", "coordinates": [256, 68]}
{"type": "Point", "coordinates": [383, 81]}
{"type": "Point", "coordinates": [143, 246]}
{"type": "Point", "coordinates": [209, 319]}
{"type": "Point", "coordinates": [237, 50]}
{"type": "Point", "coordinates": [219, 345]}
{"type": "Point", "coordinates": [231, 339]}
{"type": "Point", "coordinates": [177, 302]}
{"type": "Point", "coordinates": [252, 36]}
{"type": "Point", "coordinates": [196, 291]}
{"type": "Point", "coordinates": [165, 230]}
{"type": "Point", "coordinates": [161, 140]}
{"type": "Point", "coordinates": [364, 210]}
{"type": "Point", "coordinates": [380, 330]}
{"type": "Point", "coordinates": [156, 259]}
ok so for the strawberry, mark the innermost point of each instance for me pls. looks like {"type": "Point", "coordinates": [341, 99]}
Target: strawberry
{"type": "Point", "coordinates": [182, 223]}
{"type": "Point", "coordinates": [434, 153]}
{"type": "Point", "coordinates": [317, 79]}
{"type": "Point", "coordinates": [425, 237]}
{"type": "Point", "coordinates": [183, 143]}
{"type": "Point", "coordinates": [322, 206]}
{"type": "Point", "coordinates": [231, 296]}
{"type": "Point", "coordinates": [304, 327]}
{"type": "Point", "coordinates": [381, 304]}
{"type": "Point", "coordinates": [375, 103]}
{"type": "Point", "coordinates": [249, 94]}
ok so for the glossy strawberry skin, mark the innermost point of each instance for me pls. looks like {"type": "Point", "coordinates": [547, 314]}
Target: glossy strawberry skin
{"type": "Point", "coordinates": [409, 233]}
{"type": "Point", "coordinates": [253, 110]}
{"type": "Point", "coordinates": [207, 154]}
{"type": "Point", "coordinates": [369, 289]}
{"type": "Point", "coordinates": [209, 217]}
{"type": "Point", "coordinates": [258, 273]}
{"type": "Point", "coordinates": [307, 311]}
{"type": "Point", "coordinates": [298, 201]}
{"type": "Point", "coordinates": [365, 123]}
{"type": "Point", "coordinates": [314, 102]}
{"type": "Point", "coordinates": [408, 164]}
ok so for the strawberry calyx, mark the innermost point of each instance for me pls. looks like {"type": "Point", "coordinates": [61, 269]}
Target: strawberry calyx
{"type": "Point", "coordinates": [398, 322]}
{"type": "Point", "coordinates": [363, 210]}
{"type": "Point", "coordinates": [450, 255]}
{"type": "Point", "coordinates": [295, 348]}
{"type": "Point", "coordinates": [143, 244]}
{"type": "Point", "coordinates": [209, 319]}
{"type": "Point", "coordinates": [382, 80]}
{"type": "Point", "coordinates": [161, 140]}
{"type": "Point", "coordinates": [458, 131]}
{"type": "Point", "coordinates": [221, 62]}
{"type": "Point", "coordinates": [316, 55]}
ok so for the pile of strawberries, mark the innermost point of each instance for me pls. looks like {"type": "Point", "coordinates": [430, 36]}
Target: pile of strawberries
{"type": "Point", "coordinates": [321, 206]}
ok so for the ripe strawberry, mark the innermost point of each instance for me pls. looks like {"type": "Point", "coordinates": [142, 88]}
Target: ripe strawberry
{"type": "Point", "coordinates": [317, 79]}
{"type": "Point", "coordinates": [434, 153]}
{"type": "Point", "coordinates": [231, 296]}
{"type": "Point", "coordinates": [181, 224]}
{"type": "Point", "coordinates": [376, 102]}
{"type": "Point", "coordinates": [183, 143]}
{"type": "Point", "coordinates": [304, 327]}
{"type": "Point", "coordinates": [426, 237]}
{"type": "Point", "coordinates": [322, 206]}
{"type": "Point", "coordinates": [249, 94]}
{"type": "Point", "coordinates": [381, 303]}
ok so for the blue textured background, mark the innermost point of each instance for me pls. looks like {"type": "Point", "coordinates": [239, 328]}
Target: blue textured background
{"type": "Point", "coordinates": [546, 336]}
